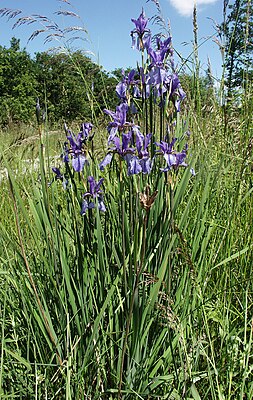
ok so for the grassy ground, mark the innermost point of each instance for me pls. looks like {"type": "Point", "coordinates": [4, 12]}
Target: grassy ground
{"type": "Point", "coordinates": [67, 283]}
{"type": "Point", "coordinates": [151, 299]}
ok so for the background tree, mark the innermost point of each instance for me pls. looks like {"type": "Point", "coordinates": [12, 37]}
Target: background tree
{"type": "Point", "coordinates": [238, 31]}
{"type": "Point", "coordinates": [17, 84]}
{"type": "Point", "coordinates": [72, 86]}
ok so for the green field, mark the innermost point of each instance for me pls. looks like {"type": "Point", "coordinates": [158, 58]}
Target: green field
{"type": "Point", "coordinates": [151, 298]}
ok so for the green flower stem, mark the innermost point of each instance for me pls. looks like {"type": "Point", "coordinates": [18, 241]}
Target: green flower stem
{"type": "Point", "coordinates": [135, 289]}
{"type": "Point", "coordinates": [123, 225]}
{"type": "Point", "coordinates": [170, 201]}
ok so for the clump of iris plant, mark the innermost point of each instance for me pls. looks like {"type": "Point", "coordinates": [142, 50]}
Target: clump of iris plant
{"type": "Point", "coordinates": [156, 77]}
{"type": "Point", "coordinates": [125, 138]}
{"type": "Point", "coordinates": [155, 81]}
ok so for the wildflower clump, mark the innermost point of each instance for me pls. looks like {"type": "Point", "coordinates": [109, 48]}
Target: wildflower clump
{"type": "Point", "coordinates": [147, 91]}
{"type": "Point", "coordinates": [157, 82]}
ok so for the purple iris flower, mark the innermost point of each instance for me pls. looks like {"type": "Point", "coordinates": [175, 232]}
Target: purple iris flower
{"type": "Point", "coordinates": [142, 162]}
{"type": "Point", "coordinates": [158, 57]}
{"type": "Point", "coordinates": [173, 159]}
{"type": "Point", "coordinates": [133, 164]}
{"type": "Point", "coordinates": [121, 90]}
{"type": "Point", "coordinates": [78, 162]}
{"type": "Point", "coordinates": [165, 46]}
{"type": "Point", "coordinates": [136, 92]}
{"type": "Point", "coordinates": [140, 24]}
{"type": "Point", "coordinates": [158, 72]}
{"type": "Point", "coordinates": [77, 152]}
{"type": "Point", "coordinates": [124, 86]}
{"type": "Point", "coordinates": [172, 83]}
{"type": "Point", "coordinates": [85, 131]}
{"type": "Point", "coordinates": [141, 36]}
{"type": "Point", "coordinates": [130, 77]}
{"type": "Point", "coordinates": [157, 75]}
{"type": "Point", "coordinates": [57, 172]}
{"type": "Point", "coordinates": [156, 78]}
{"type": "Point", "coordinates": [75, 147]}
{"type": "Point", "coordinates": [174, 89]}
{"type": "Point", "coordinates": [119, 120]}
{"type": "Point", "coordinates": [166, 147]}
{"type": "Point", "coordinates": [121, 148]}
{"type": "Point", "coordinates": [142, 142]}
{"type": "Point", "coordinates": [59, 176]}
{"type": "Point", "coordinates": [146, 165]}
{"type": "Point", "coordinates": [94, 194]}
{"type": "Point", "coordinates": [106, 161]}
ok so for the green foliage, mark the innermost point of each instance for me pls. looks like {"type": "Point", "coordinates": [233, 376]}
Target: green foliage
{"type": "Point", "coordinates": [191, 329]}
{"type": "Point", "coordinates": [70, 86]}
{"type": "Point", "coordinates": [238, 30]}
{"type": "Point", "coordinates": [17, 85]}
{"type": "Point", "coordinates": [206, 93]}
{"type": "Point", "coordinates": [137, 302]}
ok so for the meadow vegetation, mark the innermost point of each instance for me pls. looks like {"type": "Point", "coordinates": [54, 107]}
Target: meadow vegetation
{"type": "Point", "coordinates": [126, 262]}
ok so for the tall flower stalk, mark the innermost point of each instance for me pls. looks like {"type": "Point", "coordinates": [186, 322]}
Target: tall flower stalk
{"type": "Point", "coordinates": [146, 202]}
{"type": "Point", "coordinates": [126, 196]}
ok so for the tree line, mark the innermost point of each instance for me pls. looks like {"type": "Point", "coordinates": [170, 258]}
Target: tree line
{"type": "Point", "coordinates": [72, 87]}
{"type": "Point", "coordinates": [69, 86]}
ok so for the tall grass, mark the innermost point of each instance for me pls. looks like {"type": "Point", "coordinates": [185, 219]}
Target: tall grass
{"type": "Point", "coordinates": [153, 298]}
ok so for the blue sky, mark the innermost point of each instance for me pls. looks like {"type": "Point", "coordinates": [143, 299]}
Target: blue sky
{"type": "Point", "coordinates": [109, 24]}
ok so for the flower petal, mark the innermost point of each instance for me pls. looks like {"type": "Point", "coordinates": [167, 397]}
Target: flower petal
{"type": "Point", "coordinates": [106, 161]}
{"type": "Point", "coordinates": [101, 205]}
{"type": "Point", "coordinates": [85, 207]}
{"type": "Point", "coordinates": [79, 162]}
{"type": "Point", "coordinates": [146, 165]}
{"type": "Point", "coordinates": [134, 166]}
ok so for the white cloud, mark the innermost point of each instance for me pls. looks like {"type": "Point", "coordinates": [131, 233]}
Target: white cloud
{"type": "Point", "coordinates": [185, 7]}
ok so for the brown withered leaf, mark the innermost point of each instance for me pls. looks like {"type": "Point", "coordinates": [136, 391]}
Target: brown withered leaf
{"type": "Point", "coordinates": [146, 199]}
